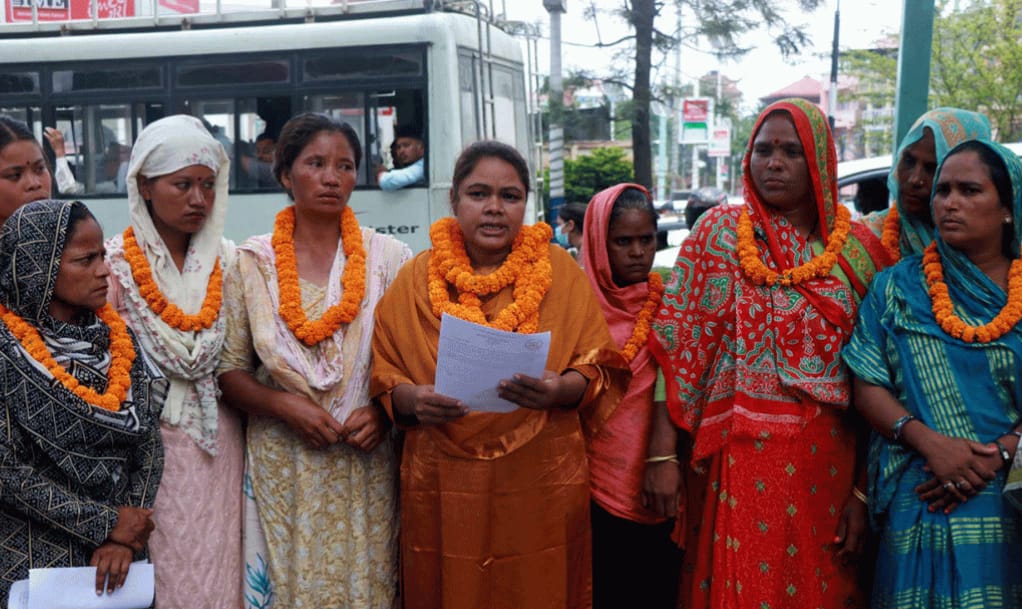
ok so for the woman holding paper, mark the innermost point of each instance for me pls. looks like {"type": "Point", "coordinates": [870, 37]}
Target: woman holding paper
{"type": "Point", "coordinates": [321, 505]}
{"type": "Point", "coordinates": [495, 507]}
{"type": "Point", "coordinates": [80, 449]}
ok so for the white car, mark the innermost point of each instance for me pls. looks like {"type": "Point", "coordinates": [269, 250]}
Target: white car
{"type": "Point", "coordinates": [862, 183]}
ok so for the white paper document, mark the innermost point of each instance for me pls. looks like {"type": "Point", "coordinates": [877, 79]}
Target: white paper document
{"type": "Point", "coordinates": [75, 588]}
{"type": "Point", "coordinates": [472, 359]}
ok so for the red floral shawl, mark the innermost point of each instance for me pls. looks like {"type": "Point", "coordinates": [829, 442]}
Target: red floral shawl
{"type": "Point", "coordinates": [746, 359]}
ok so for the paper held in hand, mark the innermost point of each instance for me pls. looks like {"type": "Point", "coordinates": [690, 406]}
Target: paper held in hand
{"type": "Point", "coordinates": [75, 588]}
{"type": "Point", "coordinates": [472, 359]}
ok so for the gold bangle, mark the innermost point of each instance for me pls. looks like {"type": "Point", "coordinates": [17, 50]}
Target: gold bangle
{"type": "Point", "coordinates": [663, 459]}
{"type": "Point", "coordinates": [861, 496]}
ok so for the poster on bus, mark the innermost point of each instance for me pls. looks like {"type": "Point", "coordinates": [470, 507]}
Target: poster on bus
{"type": "Point", "coordinates": [62, 10]}
{"type": "Point", "coordinates": [20, 11]}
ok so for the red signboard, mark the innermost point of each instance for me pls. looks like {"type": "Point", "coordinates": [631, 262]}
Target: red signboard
{"type": "Point", "coordinates": [62, 10]}
{"type": "Point", "coordinates": [695, 110]}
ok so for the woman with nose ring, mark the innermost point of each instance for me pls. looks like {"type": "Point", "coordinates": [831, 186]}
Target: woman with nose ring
{"type": "Point", "coordinates": [321, 506]}
{"type": "Point", "coordinates": [167, 271]}
{"type": "Point", "coordinates": [936, 354]}
{"type": "Point", "coordinates": [24, 173]}
{"type": "Point", "coordinates": [761, 299]}
{"type": "Point", "coordinates": [906, 227]}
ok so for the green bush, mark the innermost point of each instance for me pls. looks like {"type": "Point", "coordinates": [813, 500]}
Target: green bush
{"type": "Point", "coordinates": [588, 175]}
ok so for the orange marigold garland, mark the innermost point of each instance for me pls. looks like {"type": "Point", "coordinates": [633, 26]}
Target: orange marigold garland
{"type": "Point", "coordinates": [122, 356]}
{"type": "Point", "coordinates": [353, 279]}
{"type": "Point", "coordinates": [943, 308]}
{"type": "Point", "coordinates": [819, 266]}
{"type": "Point", "coordinates": [891, 234]}
{"type": "Point", "coordinates": [527, 267]}
{"type": "Point", "coordinates": [170, 313]}
{"type": "Point", "coordinates": [642, 324]}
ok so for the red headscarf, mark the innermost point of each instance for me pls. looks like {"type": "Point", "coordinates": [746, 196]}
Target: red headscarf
{"type": "Point", "coordinates": [617, 453]}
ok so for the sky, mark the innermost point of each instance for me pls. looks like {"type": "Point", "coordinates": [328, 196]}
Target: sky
{"type": "Point", "coordinates": [761, 72]}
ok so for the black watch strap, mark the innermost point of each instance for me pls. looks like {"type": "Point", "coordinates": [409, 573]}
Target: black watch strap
{"type": "Point", "coordinates": [1005, 453]}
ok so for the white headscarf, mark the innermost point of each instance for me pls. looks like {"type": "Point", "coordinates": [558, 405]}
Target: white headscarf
{"type": "Point", "coordinates": [189, 359]}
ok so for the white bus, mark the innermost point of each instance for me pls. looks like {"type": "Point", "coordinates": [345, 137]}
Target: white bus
{"type": "Point", "coordinates": [455, 77]}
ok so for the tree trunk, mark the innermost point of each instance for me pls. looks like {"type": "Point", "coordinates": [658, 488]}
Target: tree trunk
{"type": "Point", "coordinates": [643, 13]}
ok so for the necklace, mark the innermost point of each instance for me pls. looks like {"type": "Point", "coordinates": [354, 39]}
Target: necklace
{"type": "Point", "coordinates": [642, 323]}
{"type": "Point", "coordinates": [943, 308]}
{"type": "Point", "coordinates": [170, 313]}
{"type": "Point", "coordinates": [353, 279]}
{"type": "Point", "coordinates": [122, 356]}
{"type": "Point", "coordinates": [527, 267]}
{"type": "Point", "coordinates": [889, 237]}
{"type": "Point", "coordinates": [819, 266]}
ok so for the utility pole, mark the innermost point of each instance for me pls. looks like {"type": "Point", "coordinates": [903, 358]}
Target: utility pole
{"type": "Point", "coordinates": [834, 54]}
{"type": "Point", "coordinates": [695, 150]}
{"type": "Point", "coordinates": [555, 8]}
{"type": "Point", "coordinates": [913, 65]}
{"type": "Point", "coordinates": [674, 136]}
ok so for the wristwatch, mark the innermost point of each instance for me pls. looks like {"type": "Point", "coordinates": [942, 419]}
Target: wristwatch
{"type": "Point", "coordinates": [1005, 453]}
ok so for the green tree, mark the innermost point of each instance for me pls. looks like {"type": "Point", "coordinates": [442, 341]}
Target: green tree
{"type": "Point", "coordinates": [724, 22]}
{"type": "Point", "coordinates": [876, 71]}
{"type": "Point", "coordinates": [589, 174]}
{"type": "Point", "coordinates": [977, 62]}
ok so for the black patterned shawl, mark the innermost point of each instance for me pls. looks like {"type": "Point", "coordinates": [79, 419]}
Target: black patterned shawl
{"type": "Point", "coordinates": [65, 466]}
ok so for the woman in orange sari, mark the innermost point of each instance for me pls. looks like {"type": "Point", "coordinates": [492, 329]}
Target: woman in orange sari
{"type": "Point", "coordinates": [761, 300]}
{"type": "Point", "coordinates": [495, 507]}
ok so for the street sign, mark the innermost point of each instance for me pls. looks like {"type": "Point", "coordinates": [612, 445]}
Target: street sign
{"type": "Point", "coordinates": [720, 142]}
{"type": "Point", "coordinates": [695, 113]}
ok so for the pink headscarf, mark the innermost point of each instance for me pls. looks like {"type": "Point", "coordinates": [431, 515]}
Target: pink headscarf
{"type": "Point", "coordinates": [620, 304]}
{"type": "Point", "coordinates": [617, 453]}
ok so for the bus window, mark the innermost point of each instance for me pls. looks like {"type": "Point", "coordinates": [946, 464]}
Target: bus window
{"type": "Point", "coordinates": [505, 99]}
{"type": "Point", "coordinates": [14, 83]}
{"type": "Point", "coordinates": [390, 109]}
{"type": "Point", "coordinates": [100, 78]}
{"type": "Point", "coordinates": [520, 110]}
{"type": "Point", "coordinates": [350, 108]}
{"type": "Point", "coordinates": [467, 77]}
{"type": "Point", "coordinates": [28, 115]}
{"type": "Point", "coordinates": [259, 123]}
{"type": "Point", "coordinates": [361, 64]}
{"type": "Point", "coordinates": [98, 144]}
{"type": "Point", "coordinates": [97, 141]}
{"type": "Point", "coordinates": [218, 117]}
{"type": "Point", "coordinates": [206, 74]}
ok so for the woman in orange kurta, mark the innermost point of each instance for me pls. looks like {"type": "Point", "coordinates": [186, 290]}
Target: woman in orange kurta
{"type": "Point", "coordinates": [495, 507]}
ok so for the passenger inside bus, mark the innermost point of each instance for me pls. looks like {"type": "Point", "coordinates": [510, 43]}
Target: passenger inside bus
{"type": "Point", "coordinates": [408, 151]}
{"type": "Point", "coordinates": [115, 169]}
{"type": "Point", "coordinates": [62, 172]}
{"type": "Point", "coordinates": [258, 166]}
